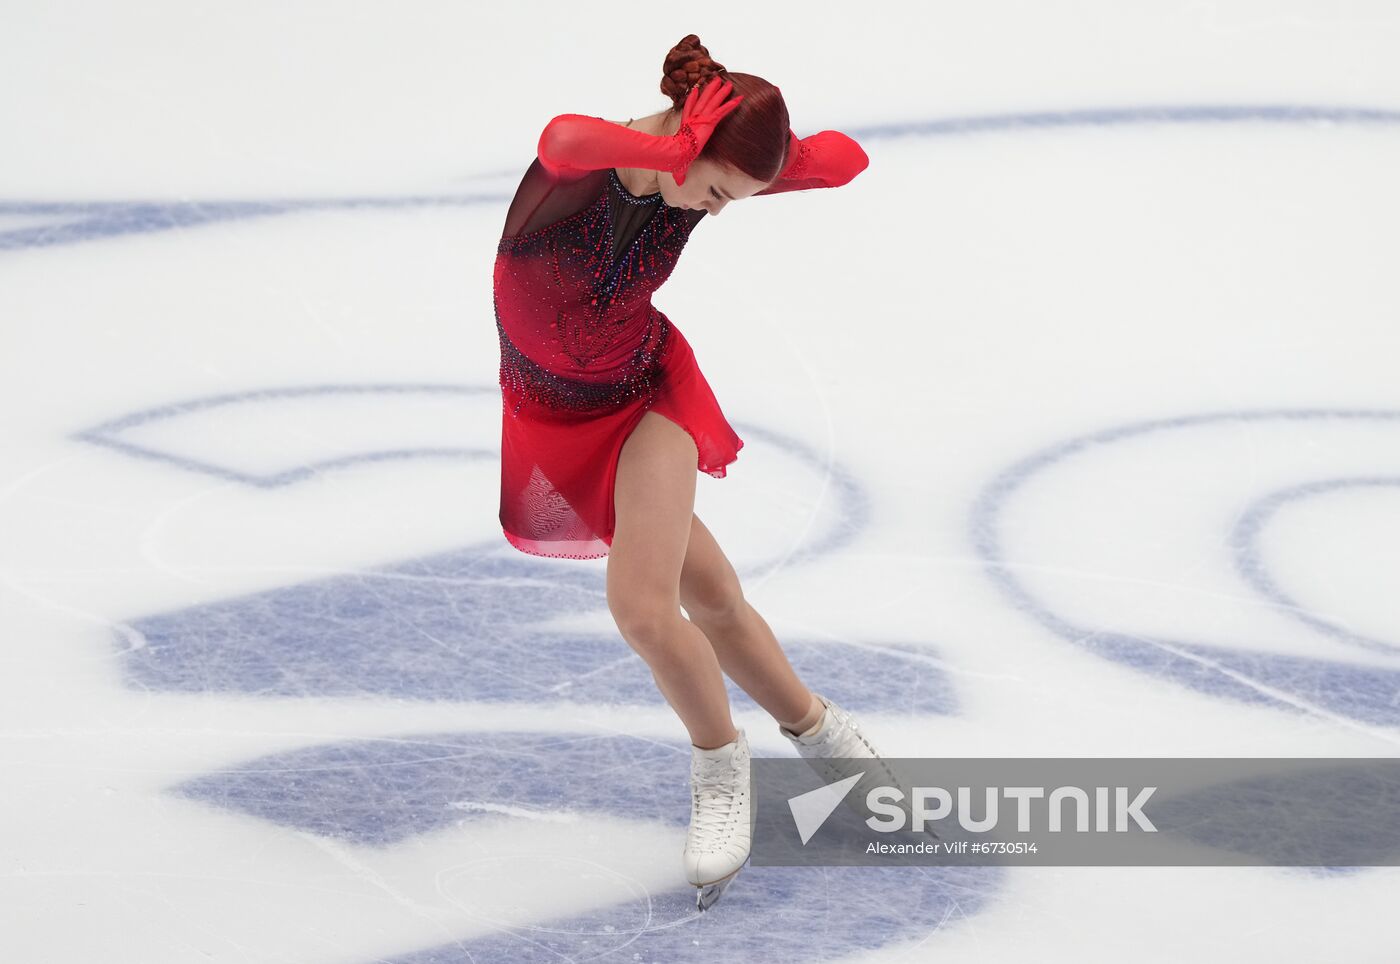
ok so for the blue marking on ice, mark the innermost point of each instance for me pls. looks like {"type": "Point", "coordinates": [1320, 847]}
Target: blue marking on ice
{"type": "Point", "coordinates": [81, 221]}
{"type": "Point", "coordinates": [381, 792]}
{"type": "Point", "coordinates": [841, 487]}
{"type": "Point", "coordinates": [774, 915]}
{"type": "Point", "coordinates": [109, 434]}
{"type": "Point", "coordinates": [1244, 539]}
{"type": "Point", "coordinates": [468, 625]}
{"type": "Point", "coordinates": [1118, 116]}
{"type": "Point", "coordinates": [1357, 692]}
{"type": "Point", "coordinates": [78, 221]}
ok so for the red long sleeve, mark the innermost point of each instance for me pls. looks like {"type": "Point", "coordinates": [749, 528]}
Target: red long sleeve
{"type": "Point", "coordinates": [572, 144]}
{"type": "Point", "coordinates": [577, 143]}
{"type": "Point", "coordinates": [825, 159]}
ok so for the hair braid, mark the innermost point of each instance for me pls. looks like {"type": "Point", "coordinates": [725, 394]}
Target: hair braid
{"type": "Point", "coordinates": [687, 65]}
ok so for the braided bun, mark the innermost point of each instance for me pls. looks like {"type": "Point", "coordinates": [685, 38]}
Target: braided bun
{"type": "Point", "coordinates": [687, 65]}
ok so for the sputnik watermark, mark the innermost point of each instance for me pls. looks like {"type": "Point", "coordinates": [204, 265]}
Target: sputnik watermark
{"type": "Point", "coordinates": [884, 800]}
{"type": "Point", "coordinates": [1079, 812]}
{"type": "Point", "coordinates": [810, 810]}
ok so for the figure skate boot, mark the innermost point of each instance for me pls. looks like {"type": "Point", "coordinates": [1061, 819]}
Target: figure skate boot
{"type": "Point", "coordinates": [721, 832]}
{"type": "Point", "coordinates": [837, 738]}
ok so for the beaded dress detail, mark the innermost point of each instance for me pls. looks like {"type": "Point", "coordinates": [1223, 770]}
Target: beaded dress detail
{"type": "Point", "coordinates": [584, 352]}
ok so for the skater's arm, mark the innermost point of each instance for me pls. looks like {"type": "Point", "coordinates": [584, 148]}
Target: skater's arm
{"type": "Point", "coordinates": [825, 159]}
{"type": "Point", "coordinates": [573, 143]}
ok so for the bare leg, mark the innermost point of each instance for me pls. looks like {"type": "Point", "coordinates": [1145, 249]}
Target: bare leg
{"type": "Point", "coordinates": [742, 639]}
{"type": "Point", "coordinates": [654, 500]}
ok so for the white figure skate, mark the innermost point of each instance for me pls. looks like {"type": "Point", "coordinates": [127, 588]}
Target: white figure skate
{"type": "Point", "coordinates": [837, 738]}
{"type": "Point", "coordinates": [720, 836]}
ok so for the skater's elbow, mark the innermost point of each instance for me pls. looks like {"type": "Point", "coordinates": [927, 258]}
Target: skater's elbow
{"type": "Point", "coordinates": [557, 142]}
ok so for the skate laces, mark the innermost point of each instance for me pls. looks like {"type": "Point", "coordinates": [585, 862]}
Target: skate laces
{"type": "Point", "coordinates": [715, 789]}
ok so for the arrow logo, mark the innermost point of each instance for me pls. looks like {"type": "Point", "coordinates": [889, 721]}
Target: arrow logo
{"type": "Point", "coordinates": [810, 809]}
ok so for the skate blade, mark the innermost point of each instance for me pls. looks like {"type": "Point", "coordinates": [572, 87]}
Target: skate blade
{"type": "Point", "coordinates": [707, 894]}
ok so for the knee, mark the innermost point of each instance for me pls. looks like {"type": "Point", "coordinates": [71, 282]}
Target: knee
{"type": "Point", "coordinates": [714, 603]}
{"type": "Point", "coordinates": [647, 625]}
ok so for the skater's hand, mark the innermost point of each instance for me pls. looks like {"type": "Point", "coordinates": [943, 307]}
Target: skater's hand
{"type": "Point", "coordinates": [705, 106]}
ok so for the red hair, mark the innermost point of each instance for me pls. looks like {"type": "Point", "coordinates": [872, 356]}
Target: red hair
{"type": "Point", "coordinates": [753, 138]}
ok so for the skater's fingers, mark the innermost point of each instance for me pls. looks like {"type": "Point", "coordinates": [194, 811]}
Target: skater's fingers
{"type": "Point", "coordinates": [729, 106]}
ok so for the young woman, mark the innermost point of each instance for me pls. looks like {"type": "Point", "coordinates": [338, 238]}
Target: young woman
{"type": "Point", "coordinates": [607, 417]}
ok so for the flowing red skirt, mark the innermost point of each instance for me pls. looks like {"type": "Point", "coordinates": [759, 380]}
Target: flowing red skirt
{"type": "Point", "coordinates": [558, 467]}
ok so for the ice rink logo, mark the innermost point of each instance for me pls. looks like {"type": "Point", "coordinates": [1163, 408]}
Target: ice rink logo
{"type": "Point", "coordinates": [481, 625]}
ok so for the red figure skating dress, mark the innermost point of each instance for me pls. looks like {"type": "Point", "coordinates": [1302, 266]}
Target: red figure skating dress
{"type": "Point", "coordinates": [584, 352]}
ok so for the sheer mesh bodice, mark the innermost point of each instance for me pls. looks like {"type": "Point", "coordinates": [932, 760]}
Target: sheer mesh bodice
{"type": "Point", "coordinates": [543, 199]}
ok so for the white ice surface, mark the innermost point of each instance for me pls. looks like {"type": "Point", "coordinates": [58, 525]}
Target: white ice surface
{"type": "Point", "coordinates": [969, 301]}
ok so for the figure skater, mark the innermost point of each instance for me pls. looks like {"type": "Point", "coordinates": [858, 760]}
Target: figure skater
{"type": "Point", "coordinates": [607, 417]}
